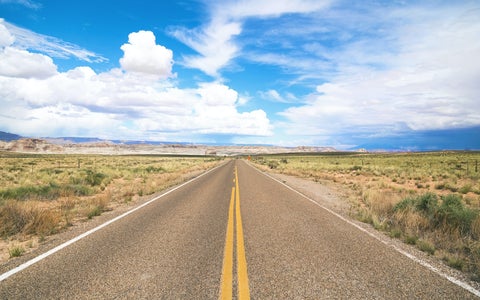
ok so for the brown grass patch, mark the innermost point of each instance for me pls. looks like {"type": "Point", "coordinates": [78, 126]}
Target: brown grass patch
{"type": "Point", "coordinates": [27, 218]}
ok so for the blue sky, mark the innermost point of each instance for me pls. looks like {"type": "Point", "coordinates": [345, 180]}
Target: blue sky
{"type": "Point", "coordinates": [282, 72]}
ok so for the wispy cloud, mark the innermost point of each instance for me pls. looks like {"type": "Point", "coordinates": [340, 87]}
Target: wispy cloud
{"type": "Point", "coordinates": [27, 3]}
{"type": "Point", "coordinates": [51, 46]}
{"type": "Point", "coordinates": [274, 96]}
{"type": "Point", "coordinates": [215, 42]}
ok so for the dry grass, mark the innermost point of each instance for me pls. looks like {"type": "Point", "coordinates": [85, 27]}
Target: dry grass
{"type": "Point", "coordinates": [43, 194]}
{"type": "Point", "coordinates": [27, 218]}
{"type": "Point", "coordinates": [431, 200]}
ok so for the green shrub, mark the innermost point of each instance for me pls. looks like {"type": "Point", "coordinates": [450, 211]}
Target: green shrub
{"type": "Point", "coordinates": [93, 178]}
{"type": "Point", "coordinates": [404, 204]}
{"type": "Point", "coordinates": [411, 239]}
{"type": "Point", "coordinates": [48, 192]}
{"type": "Point", "coordinates": [455, 262]}
{"type": "Point", "coordinates": [16, 251]}
{"type": "Point", "coordinates": [151, 169]}
{"type": "Point", "coordinates": [454, 214]}
{"type": "Point", "coordinates": [426, 247]}
{"type": "Point", "coordinates": [273, 164]}
{"type": "Point", "coordinates": [427, 203]}
{"type": "Point", "coordinates": [451, 215]}
{"type": "Point", "coordinates": [94, 212]}
{"type": "Point", "coordinates": [465, 189]}
{"type": "Point", "coordinates": [395, 233]}
{"type": "Point", "coordinates": [77, 190]}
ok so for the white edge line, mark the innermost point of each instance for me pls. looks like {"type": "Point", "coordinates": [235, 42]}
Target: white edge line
{"type": "Point", "coordinates": [85, 234]}
{"type": "Point", "coordinates": [454, 280]}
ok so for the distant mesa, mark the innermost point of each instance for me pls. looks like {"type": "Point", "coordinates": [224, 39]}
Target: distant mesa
{"type": "Point", "coordinates": [30, 145]}
{"type": "Point", "coordinates": [75, 145]}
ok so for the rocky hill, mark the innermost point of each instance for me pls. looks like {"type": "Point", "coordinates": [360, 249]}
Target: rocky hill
{"type": "Point", "coordinates": [30, 146]}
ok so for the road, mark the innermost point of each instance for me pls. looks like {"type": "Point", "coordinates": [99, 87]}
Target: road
{"type": "Point", "coordinates": [232, 232]}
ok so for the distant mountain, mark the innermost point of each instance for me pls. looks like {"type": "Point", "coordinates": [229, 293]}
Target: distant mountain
{"type": "Point", "coordinates": [73, 140]}
{"type": "Point", "coordinates": [5, 136]}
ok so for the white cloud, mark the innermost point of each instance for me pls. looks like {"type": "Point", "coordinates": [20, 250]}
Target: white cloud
{"type": "Point", "coordinates": [216, 94]}
{"type": "Point", "coordinates": [216, 113]}
{"type": "Point", "coordinates": [429, 80]}
{"type": "Point", "coordinates": [6, 39]}
{"type": "Point", "coordinates": [118, 104]}
{"type": "Point", "coordinates": [61, 119]}
{"type": "Point", "coordinates": [273, 95]}
{"type": "Point", "coordinates": [51, 46]}
{"type": "Point", "coordinates": [216, 43]}
{"type": "Point", "coordinates": [142, 55]}
{"type": "Point", "coordinates": [213, 43]}
{"type": "Point", "coordinates": [211, 108]}
{"type": "Point", "coordinates": [266, 8]}
{"type": "Point", "coordinates": [21, 63]}
{"type": "Point", "coordinates": [26, 3]}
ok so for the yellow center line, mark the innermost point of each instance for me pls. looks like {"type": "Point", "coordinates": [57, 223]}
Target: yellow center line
{"type": "Point", "coordinates": [243, 288]}
{"type": "Point", "coordinates": [227, 269]}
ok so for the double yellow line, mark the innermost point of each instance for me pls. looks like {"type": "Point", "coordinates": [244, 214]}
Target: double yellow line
{"type": "Point", "coordinates": [227, 270]}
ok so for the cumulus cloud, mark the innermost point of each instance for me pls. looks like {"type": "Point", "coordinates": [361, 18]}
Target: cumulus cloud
{"type": "Point", "coordinates": [21, 63]}
{"type": "Point", "coordinates": [216, 113]}
{"type": "Point", "coordinates": [126, 103]}
{"type": "Point", "coordinates": [6, 39]}
{"type": "Point", "coordinates": [143, 55]}
{"type": "Point", "coordinates": [208, 109]}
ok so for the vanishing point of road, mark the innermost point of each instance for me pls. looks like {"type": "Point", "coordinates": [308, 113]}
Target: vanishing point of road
{"type": "Point", "coordinates": [232, 232]}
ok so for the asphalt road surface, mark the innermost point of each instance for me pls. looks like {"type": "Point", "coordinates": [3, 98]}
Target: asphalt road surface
{"type": "Point", "coordinates": [232, 232]}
